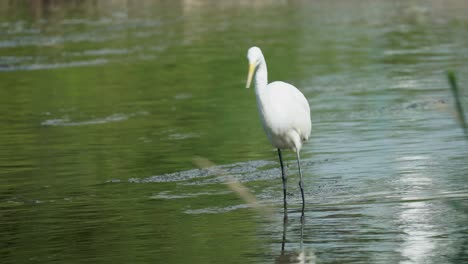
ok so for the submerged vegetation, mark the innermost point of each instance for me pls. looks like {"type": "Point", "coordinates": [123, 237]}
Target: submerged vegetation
{"type": "Point", "coordinates": [452, 79]}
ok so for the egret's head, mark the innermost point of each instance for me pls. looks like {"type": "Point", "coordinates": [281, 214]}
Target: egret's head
{"type": "Point", "coordinates": [255, 56]}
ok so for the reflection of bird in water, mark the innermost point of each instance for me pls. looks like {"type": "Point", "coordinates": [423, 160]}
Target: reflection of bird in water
{"type": "Point", "coordinates": [284, 112]}
{"type": "Point", "coordinates": [300, 256]}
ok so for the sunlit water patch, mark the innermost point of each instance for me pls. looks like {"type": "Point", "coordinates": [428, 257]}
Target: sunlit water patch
{"type": "Point", "coordinates": [45, 66]}
{"type": "Point", "coordinates": [66, 121]}
{"type": "Point", "coordinates": [68, 45]}
{"type": "Point", "coordinates": [217, 210]}
{"type": "Point", "coordinates": [179, 136]}
{"type": "Point", "coordinates": [238, 171]}
{"type": "Point", "coordinates": [166, 195]}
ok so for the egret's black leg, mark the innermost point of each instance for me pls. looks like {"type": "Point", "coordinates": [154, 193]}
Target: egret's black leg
{"type": "Point", "coordinates": [283, 176]}
{"type": "Point", "coordinates": [300, 181]}
{"type": "Point", "coordinates": [283, 242]}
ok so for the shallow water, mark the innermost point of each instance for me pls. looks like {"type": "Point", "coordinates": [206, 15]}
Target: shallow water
{"type": "Point", "coordinates": [109, 105]}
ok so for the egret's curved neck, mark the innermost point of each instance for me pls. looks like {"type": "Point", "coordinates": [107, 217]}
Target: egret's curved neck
{"type": "Point", "coordinates": [261, 78]}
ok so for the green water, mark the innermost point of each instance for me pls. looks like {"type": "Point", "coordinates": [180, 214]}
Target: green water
{"type": "Point", "coordinates": [106, 105]}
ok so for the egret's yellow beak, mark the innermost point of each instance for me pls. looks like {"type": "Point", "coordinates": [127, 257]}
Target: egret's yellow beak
{"type": "Point", "coordinates": [251, 72]}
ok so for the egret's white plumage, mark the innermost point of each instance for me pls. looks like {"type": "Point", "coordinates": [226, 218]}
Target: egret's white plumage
{"type": "Point", "coordinates": [283, 109]}
{"type": "Point", "coordinates": [285, 115]}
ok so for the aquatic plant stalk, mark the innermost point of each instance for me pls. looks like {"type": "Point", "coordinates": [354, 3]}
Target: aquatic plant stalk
{"type": "Point", "coordinates": [452, 79]}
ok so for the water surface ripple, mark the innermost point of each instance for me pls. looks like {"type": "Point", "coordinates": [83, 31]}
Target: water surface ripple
{"type": "Point", "coordinates": [106, 104]}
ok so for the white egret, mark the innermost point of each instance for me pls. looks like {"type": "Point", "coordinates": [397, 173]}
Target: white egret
{"type": "Point", "coordinates": [284, 112]}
